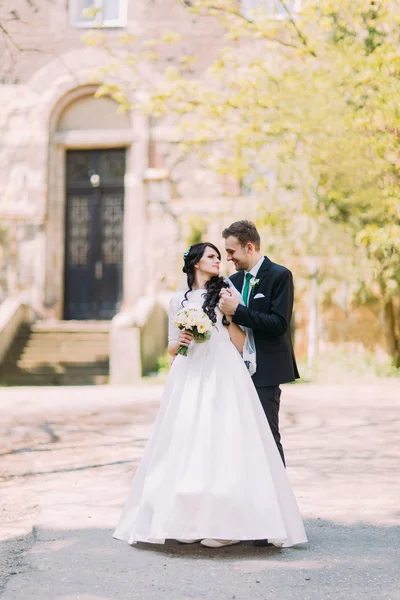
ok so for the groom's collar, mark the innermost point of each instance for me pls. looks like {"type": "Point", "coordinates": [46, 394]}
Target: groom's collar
{"type": "Point", "coordinates": [255, 270]}
{"type": "Point", "coordinates": [265, 265]}
{"type": "Point", "coordinates": [238, 277]}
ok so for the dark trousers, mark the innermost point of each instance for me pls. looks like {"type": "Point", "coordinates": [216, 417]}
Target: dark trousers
{"type": "Point", "coordinates": [270, 398]}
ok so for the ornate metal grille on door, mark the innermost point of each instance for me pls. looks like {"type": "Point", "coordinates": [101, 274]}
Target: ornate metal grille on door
{"type": "Point", "coordinates": [94, 233]}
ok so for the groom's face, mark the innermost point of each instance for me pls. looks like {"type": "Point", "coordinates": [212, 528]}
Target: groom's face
{"type": "Point", "coordinates": [237, 253]}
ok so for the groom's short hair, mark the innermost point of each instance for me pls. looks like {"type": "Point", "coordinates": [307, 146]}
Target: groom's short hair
{"type": "Point", "coordinates": [245, 231]}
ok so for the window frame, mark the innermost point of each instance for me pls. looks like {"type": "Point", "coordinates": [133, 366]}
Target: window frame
{"type": "Point", "coordinates": [77, 21]}
{"type": "Point", "coordinates": [273, 16]}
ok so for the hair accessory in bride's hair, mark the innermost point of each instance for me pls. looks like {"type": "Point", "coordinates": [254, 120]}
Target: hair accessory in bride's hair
{"type": "Point", "coordinates": [186, 253]}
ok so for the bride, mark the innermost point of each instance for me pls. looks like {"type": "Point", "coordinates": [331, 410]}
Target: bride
{"type": "Point", "coordinates": [211, 471]}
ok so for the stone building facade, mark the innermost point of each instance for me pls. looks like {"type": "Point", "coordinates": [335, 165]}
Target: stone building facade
{"type": "Point", "coordinates": [94, 209]}
{"type": "Point", "coordinates": [50, 123]}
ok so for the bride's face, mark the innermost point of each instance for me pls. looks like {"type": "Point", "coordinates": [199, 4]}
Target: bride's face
{"type": "Point", "coordinates": [209, 263]}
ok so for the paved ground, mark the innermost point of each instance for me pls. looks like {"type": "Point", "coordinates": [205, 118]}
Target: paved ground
{"type": "Point", "coordinates": [67, 458]}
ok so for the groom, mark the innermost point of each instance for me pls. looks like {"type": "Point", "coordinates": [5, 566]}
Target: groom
{"type": "Point", "coordinates": [267, 291]}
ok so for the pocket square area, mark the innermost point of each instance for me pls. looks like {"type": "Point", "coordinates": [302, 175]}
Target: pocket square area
{"type": "Point", "coordinates": [259, 296]}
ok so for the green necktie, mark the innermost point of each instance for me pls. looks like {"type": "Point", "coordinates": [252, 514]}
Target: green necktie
{"type": "Point", "coordinates": [246, 288]}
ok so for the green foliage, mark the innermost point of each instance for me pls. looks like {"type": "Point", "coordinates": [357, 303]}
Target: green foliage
{"type": "Point", "coordinates": [197, 229]}
{"type": "Point", "coordinates": [383, 247]}
{"type": "Point", "coordinates": [310, 102]}
{"type": "Point", "coordinates": [163, 363]}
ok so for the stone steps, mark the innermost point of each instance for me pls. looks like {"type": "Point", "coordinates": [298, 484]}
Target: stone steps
{"type": "Point", "coordinates": [58, 353]}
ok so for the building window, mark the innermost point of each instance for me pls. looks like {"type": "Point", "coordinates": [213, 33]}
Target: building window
{"type": "Point", "coordinates": [274, 9]}
{"type": "Point", "coordinates": [94, 13]}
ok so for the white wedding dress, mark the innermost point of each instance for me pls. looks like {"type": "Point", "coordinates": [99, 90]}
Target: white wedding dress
{"type": "Point", "coordinates": [211, 468]}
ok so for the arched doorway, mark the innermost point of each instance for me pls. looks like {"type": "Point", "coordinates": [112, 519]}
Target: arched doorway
{"type": "Point", "coordinates": [94, 210]}
{"type": "Point", "coordinates": [95, 207]}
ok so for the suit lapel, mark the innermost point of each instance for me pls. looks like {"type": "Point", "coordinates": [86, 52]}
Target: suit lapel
{"type": "Point", "coordinates": [237, 280]}
{"type": "Point", "coordinates": [262, 273]}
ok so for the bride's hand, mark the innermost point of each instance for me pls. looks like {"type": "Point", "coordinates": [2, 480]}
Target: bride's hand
{"type": "Point", "coordinates": [185, 338]}
{"type": "Point", "coordinates": [224, 293]}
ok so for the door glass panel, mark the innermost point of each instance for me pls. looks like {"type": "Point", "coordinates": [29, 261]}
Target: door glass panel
{"type": "Point", "coordinates": [112, 165]}
{"type": "Point", "coordinates": [78, 231]}
{"type": "Point", "coordinates": [112, 220]}
{"type": "Point", "coordinates": [79, 167]}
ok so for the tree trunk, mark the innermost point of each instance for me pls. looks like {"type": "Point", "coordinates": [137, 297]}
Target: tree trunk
{"type": "Point", "coordinates": [391, 332]}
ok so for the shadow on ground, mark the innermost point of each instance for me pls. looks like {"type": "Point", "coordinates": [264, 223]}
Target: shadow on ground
{"type": "Point", "coordinates": [343, 562]}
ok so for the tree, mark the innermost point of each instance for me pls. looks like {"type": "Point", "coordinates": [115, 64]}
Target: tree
{"type": "Point", "coordinates": [311, 99]}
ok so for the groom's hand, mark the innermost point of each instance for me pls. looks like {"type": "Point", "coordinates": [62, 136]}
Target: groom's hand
{"type": "Point", "coordinates": [228, 303]}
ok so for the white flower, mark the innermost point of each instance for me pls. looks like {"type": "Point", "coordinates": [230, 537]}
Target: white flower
{"type": "Point", "coordinates": [193, 317]}
{"type": "Point", "coordinates": [180, 318]}
{"type": "Point", "coordinates": [253, 283]}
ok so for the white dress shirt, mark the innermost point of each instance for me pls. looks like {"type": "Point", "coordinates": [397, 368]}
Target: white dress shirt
{"type": "Point", "coordinates": [253, 272]}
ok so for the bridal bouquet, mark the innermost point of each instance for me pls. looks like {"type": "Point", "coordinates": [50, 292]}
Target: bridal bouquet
{"type": "Point", "coordinates": [194, 320]}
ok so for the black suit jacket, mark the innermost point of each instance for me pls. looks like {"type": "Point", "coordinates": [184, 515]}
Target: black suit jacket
{"type": "Point", "coordinates": [269, 318]}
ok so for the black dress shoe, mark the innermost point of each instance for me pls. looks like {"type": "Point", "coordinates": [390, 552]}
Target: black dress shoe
{"type": "Point", "coordinates": [262, 543]}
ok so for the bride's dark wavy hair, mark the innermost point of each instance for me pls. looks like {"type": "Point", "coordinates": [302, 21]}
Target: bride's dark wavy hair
{"type": "Point", "coordinates": [213, 286]}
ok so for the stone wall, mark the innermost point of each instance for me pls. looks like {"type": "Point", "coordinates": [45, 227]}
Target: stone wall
{"type": "Point", "coordinates": [53, 70]}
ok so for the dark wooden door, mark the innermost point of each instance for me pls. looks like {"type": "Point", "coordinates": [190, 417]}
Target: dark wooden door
{"type": "Point", "coordinates": [94, 233]}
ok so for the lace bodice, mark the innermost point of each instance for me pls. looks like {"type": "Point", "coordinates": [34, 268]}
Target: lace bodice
{"type": "Point", "coordinates": [195, 298]}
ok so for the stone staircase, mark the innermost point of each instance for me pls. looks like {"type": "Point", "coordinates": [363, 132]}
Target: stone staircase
{"type": "Point", "coordinates": [58, 353]}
